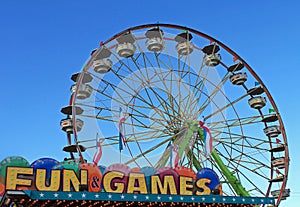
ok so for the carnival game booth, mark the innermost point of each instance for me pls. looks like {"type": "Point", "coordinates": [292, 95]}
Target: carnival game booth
{"type": "Point", "coordinates": [47, 182]}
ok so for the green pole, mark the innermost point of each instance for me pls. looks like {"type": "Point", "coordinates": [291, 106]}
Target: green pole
{"type": "Point", "coordinates": [196, 163]}
{"type": "Point", "coordinates": [192, 128]}
{"type": "Point", "coordinates": [233, 181]}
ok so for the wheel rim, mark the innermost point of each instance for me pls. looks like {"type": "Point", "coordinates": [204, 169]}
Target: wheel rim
{"type": "Point", "coordinates": [143, 86]}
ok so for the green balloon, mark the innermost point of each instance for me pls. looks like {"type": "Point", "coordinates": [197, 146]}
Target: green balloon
{"type": "Point", "coordinates": [70, 165]}
{"type": "Point", "coordinates": [12, 161]}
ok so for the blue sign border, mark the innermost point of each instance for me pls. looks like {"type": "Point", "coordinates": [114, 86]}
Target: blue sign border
{"type": "Point", "coordinates": [102, 196]}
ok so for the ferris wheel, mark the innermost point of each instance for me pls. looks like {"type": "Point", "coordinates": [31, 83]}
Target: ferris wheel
{"type": "Point", "coordinates": [157, 86]}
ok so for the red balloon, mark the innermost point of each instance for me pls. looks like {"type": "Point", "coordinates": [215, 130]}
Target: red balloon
{"type": "Point", "coordinates": [119, 168]}
{"type": "Point", "coordinates": [94, 176]}
{"type": "Point", "coordinates": [185, 171]}
{"type": "Point", "coordinates": [168, 171]}
{"type": "Point", "coordinates": [2, 187]}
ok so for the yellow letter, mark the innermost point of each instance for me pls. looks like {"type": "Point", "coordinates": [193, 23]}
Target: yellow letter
{"type": "Point", "coordinates": [108, 178]}
{"type": "Point", "coordinates": [169, 183]}
{"type": "Point", "coordinates": [40, 180]}
{"type": "Point", "coordinates": [12, 179]}
{"type": "Point", "coordinates": [69, 177]}
{"type": "Point", "coordinates": [184, 185]}
{"type": "Point", "coordinates": [141, 182]}
{"type": "Point", "coordinates": [201, 184]}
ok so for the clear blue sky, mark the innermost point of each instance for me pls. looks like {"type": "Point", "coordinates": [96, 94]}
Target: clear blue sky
{"type": "Point", "coordinates": [43, 42]}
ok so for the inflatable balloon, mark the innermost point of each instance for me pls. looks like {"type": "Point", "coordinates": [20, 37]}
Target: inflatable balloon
{"type": "Point", "coordinates": [210, 174]}
{"type": "Point", "coordinates": [58, 166]}
{"type": "Point", "coordinates": [148, 171]}
{"type": "Point", "coordinates": [15, 161]}
{"type": "Point", "coordinates": [102, 169]}
{"type": "Point", "coordinates": [94, 176]}
{"type": "Point", "coordinates": [135, 170]}
{"type": "Point", "coordinates": [119, 168]}
{"type": "Point", "coordinates": [70, 165]}
{"type": "Point", "coordinates": [185, 171]}
{"type": "Point", "coordinates": [44, 163]}
{"type": "Point", "coordinates": [168, 171]}
{"type": "Point", "coordinates": [2, 185]}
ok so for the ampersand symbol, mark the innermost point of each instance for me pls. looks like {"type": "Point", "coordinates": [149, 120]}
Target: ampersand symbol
{"type": "Point", "coordinates": [95, 182]}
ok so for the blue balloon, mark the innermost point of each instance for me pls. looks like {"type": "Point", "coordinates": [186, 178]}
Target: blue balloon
{"type": "Point", "coordinates": [102, 168]}
{"type": "Point", "coordinates": [148, 171]}
{"type": "Point", "coordinates": [209, 174]}
{"type": "Point", "coordinates": [58, 167]}
{"type": "Point", "coordinates": [44, 163]}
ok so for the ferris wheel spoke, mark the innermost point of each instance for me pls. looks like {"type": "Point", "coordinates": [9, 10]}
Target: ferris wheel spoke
{"type": "Point", "coordinates": [110, 118]}
{"type": "Point", "coordinates": [239, 173]}
{"type": "Point", "coordinates": [158, 97]}
{"type": "Point", "coordinates": [256, 188]}
{"type": "Point", "coordinates": [258, 162]}
{"type": "Point", "coordinates": [132, 138]}
{"type": "Point", "coordinates": [238, 136]}
{"type": "Point", "coordinates": [235, 122]}
{"type": "Point", "coordinates": [198, 88]}
{"type": "Point", "coordinates": [137, 135]}
{"type": "Point", "coordinates": [148, 151]}
{"type": "Point", "coordinates": [151, 106]}
{"type": "Point", "coordinates": [255, 147]}
{"type": "Point", "coordinates": [161, 78]}
{"type": "Point", "coordinates": [182, 74]}
{"type": "Point", "coordinates": [218, 87]}
{"type": "Point", "coordinates": [224, 107]}
{"type": "Point", "coordinates": [222, 178]}
{"type": "Point", "coordinates": [177, 140]}
{"type": "Point", "coordinates": [211, 96]}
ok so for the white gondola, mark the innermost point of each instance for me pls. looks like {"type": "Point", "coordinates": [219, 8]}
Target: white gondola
{"type": "Point", "coordinates": [278, 162]}
{"type": "Point", "coordinates": [238, 78]}
{"type": "Point", "coordinates": [155, 44]}
{"type": "Point", "coordinates": [102, 65]}
{"type": "Point", "coordinates": [278, 148]}
{"type": "Point", "coordinates": [86, 77]}
{"type": "Point", "coordinates": [272, 131]}
{"type": "Point", "coordinates": [154, 40]}
{"type": "Point", "coordinates": [67, 125]}
{"type": "Point", "coordinates": [279, 178]}
{"type": "Point", "coordinates": [257, 102]}
{"type": "Point", "coordinates": [73, 148]}
{"type": "Point", "coordinates": [236, 67]}
{"type": "Point", "coordinates": [126, 49]}
{"type": "Point", "coordinates": [68, 110]}
{"type": "Point", "coordinates": [185, 48]}
{"type": "Point", "coordinates": [270, 118]}
{"type": "Point", "coordinates": [84, 91]}
{"type": "Point", "coordinates": [285, 193]}
{"type": "Point", "coordinates": [212, 60]}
